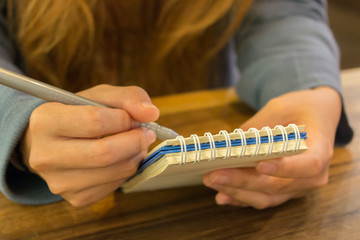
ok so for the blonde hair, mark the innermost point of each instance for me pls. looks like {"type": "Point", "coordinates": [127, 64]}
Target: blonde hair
{"type": "Point", "coordinates": [161, 45]}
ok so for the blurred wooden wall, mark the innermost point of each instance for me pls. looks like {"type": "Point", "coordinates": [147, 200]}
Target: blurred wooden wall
{"type": "Point", "coordinates": [344, 17]}
{"type": "Point", "coordinates": [355, 4]}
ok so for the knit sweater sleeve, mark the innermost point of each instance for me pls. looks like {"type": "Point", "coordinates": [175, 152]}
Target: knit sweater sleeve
{"type": "Point", "coordinates": [284, 46]}
{"type": "Point", "coordinates": [15, 109]}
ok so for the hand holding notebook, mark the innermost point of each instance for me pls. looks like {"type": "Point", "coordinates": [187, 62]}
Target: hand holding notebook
{"type": "Point", "coordinates": [275, 181]}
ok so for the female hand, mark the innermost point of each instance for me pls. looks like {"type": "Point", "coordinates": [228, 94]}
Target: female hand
{"type": "Point", "coordinates": [274, 182]}
{"type": "Point", "coordinates": [86, 152]}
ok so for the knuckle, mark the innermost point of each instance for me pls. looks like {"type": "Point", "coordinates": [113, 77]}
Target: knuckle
{"type": "Point", "coordinates": [102, 87]}
{"type": "Point", "coordinates": [243, 182]}
{"type": "Point", "coordinates": [263, 204]}
{"type": "Point", "coordinates": [322, 181]}
{"type": "Point", "coordinates": [103, 154]}
{"type": "Point", "coordinates": [136, 90]}
{"type": "Point", "coordinates": [143, 154]}
{"type": "Point", "coordinates": [278, 186]}
{"type": "Point", "coordinates": [35, 119]}
{"type": "Point", "coordinates": [129, 169]}
{"type": "Point", "coordinates": [320, 161]}
{"type": "Point", "coordinates": [330, 150]}
{"type": "Point", "coordinates": [95, 121]}
{"type": "Point", "coordinates": [57, 188]}
{"type": "Point", "coordinates": [143, 141]}
{"type": "Point", "coordinates": [78, 202]}
{"type": "Point", "coordinates": [39, 163]}
{"type": "Point", "coordinates": [124, 118]}
{"type": "Point", "coordinates": [140, 140]}
{"type": "Point", "coordinates": [38, 116]}
{"type": "Point", "coordinates": [317, 166]}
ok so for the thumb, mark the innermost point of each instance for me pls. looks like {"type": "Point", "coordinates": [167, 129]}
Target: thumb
{"type": "Point", "coordinates": [133, 100]}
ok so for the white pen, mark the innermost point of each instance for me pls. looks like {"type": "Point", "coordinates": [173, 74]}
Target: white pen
{"type": "Point", "coordinates": [53, 94]}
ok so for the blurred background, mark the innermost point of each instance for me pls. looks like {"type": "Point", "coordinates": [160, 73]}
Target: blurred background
{"type": "Point", "coordinates": [344, 16]}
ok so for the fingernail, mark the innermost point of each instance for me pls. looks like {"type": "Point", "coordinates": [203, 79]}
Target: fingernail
{"type": "Point", "coordinates": [219, 179]}
{"type": "Point", "coordinates": [266, 168]}
{"type": "Point", "coordinates": [148, 105]}
{"type": "Point", "coordinates": [150, 135]}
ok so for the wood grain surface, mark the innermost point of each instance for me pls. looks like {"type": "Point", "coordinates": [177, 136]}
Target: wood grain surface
{"type": "Point", "coordinates": [332, 212]}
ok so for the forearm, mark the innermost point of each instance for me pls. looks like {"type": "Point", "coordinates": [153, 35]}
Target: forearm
{"type": "Point", "coordinates": [15, 110]}
{"type": "Point", "coordinates": [280, 53]}
{"type": "Point", "coordinates": [288, 50]}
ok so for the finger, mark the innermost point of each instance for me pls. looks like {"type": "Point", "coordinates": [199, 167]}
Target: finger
{"type": "Point", "coordinates": [249, 179]}
{"type": "Point", "coordinates": [235, 196]}
{"type": "Point", "coordinates": [306, 165]}
{"type": "Point", "coordinates": [134, 100]}
{"type": "Point", "coordinates": [91, 195]}
{"type": "Point", "coordinates": [223, 199]}
{"type": "Point", "coordinates": [80, 121]}
{"type": "Point", "coordinates": [86, 153]}
{"type": "Point", "coordinates": [76, 180]}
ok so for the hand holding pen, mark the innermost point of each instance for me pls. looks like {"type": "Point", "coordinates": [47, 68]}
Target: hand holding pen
{"type": "Point", "coordinates": [86, 152]}
{"type": "Point", "coordinates": [54, 94]}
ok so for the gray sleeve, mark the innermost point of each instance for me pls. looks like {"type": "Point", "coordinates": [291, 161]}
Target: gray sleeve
{"type": "Point", "coordinates": [15, 110]}
{"type": "Point", "coordinates": [285, 46]}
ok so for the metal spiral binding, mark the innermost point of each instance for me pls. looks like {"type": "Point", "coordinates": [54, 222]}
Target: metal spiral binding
{"type": "Point", "coordinates": [212, 146]}
{"type": "Point", "coordinates": [284, 137]}
{"type": "Point", "coordinates": [297, 137]}
{"type": "Point", "coordinates": [270, 140]}
{"type": "Point", "coordinates": [243, 141]}
{"type": "Point", "coordinates": [228, 143]}
{"type": "Point", "coordinates": [197, 146]}
{"type": "Point", "coordinates": [183, 149]}
{"type": "Point", "coordinates": [257, 141]}
{"type": "Point", "coordinates": [242, 137]}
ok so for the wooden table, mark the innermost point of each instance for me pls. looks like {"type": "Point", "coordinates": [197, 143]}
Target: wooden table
{"type": "Point", "coordinates": [332, 212]}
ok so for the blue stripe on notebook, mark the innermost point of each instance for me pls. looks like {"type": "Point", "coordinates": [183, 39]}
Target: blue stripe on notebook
{"type": "Point", "coordinates": [191, 147]}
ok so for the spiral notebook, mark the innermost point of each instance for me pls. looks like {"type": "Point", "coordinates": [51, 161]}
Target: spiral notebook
{"type": "Point", "coordinates": [184, 161]}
